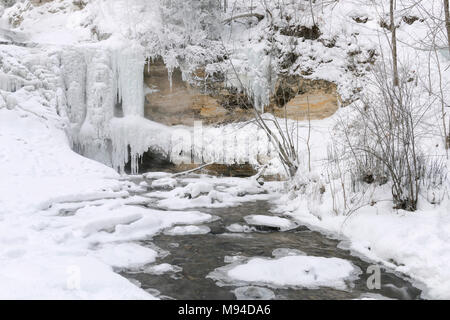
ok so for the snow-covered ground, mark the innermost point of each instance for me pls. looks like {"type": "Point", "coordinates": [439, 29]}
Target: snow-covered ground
{"type": "Point", "coordinates": [67, 221]}
{"type": "Point", "coordinates": [38, 170]}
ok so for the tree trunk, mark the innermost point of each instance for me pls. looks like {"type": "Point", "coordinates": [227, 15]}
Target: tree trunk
{"type": "Point", "coordinates": [312, 12]}
{"type": "Point", "coordinates": [447, 21]}
{"type": "Point", "coordinates": [394, 42]}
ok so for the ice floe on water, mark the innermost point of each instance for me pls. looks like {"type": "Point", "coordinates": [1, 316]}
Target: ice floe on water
{"type": "Point", "coordinates": [288, 272]}
{"type": "Point", "coordinates": [270, 221]}
{"type": "Point", "coordinates": [234, 259]}
{"type": "Point", "coordinates": [283, 252]}
{"type": "Point", "coordinates": [144, 184]}
{"type": "Point", "coordinates": [193, 190]}
{"type": "Point", "coordinates": [164, 183]}
{"type": "Point", "coordinates": [206, 193]}
{"type": "Point", "coordinates": [156, 175]}
{"type": "Point", "coordinates": [253, 293]}
{"type": "Point", "coordinates": [162, 268]}
{"type": "Point", "coordinates": [236, 227]}
{"type": "Point", "coordinates": [187, 230]}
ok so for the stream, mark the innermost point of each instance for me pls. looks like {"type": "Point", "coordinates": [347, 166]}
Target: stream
{"type": "Point", "coordinates": [198, 255]}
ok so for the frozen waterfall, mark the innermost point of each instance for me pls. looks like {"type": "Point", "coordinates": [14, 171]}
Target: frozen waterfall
{"type": "Point", "coordinates": [96, 81]}
{"type": "Point", "coordinates": [128, 65]}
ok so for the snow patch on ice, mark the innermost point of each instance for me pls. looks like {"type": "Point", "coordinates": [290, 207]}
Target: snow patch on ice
{"type": "Point", "coordinates": [164, 183]}
{"type": "Point", "coordinates": [236, 227]}
{"type": "Point", "coordinates": [161, 269]}
{"type": "Point", "coordinates": [211, 193]}
{"type": "Point", "coordinates": [187, 230]}
{"type": "Point", "coordinates": [290, 271]}
{"type": "Point", "coordinates": [270, 221]}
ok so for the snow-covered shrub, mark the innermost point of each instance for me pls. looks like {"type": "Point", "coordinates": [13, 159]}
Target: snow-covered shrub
{"type": "Point", "coordinates": [435, 180]}
{"type": "Point", "coordinates": [189, 35]}
{"type": "Point", "coordinates": [382, 138]}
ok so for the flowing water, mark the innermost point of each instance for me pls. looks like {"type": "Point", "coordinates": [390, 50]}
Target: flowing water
{"type": "Point", "coordinates": [199, 255]}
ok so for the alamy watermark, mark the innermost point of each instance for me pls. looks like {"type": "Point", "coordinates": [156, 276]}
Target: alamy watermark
{"type": "Point", "coordinates": [221, 145]}
{"type": "Point", "coordinates": [374, 280]}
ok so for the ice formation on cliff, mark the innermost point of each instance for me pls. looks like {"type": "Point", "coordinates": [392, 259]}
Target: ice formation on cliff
{"type": "Point", "coordinates": [97, 83]}
{"type": "Point", "coordinates": [128, 66]}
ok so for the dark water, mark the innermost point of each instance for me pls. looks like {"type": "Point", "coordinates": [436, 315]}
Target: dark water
{"type": "Point", "coordinates": [198, 255]}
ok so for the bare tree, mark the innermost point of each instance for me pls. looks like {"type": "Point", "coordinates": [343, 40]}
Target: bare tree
{"type": "Point", "coordinates": [279, 135]}
{"type": "Point", "coordinates": [308, 145]}
{"type": "Point", "coordinates": [438, 34]}
{"type": "Point", "coordinates": [447, 21]}
{"type": "Point", "coordinates": [312, 12]}
{"type": "Point", "coordinates": [393, 28]}
{"type": "Point", "coordinates": [382, 138]}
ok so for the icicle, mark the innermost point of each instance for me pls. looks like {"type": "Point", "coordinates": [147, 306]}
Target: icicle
{"type": "Point", "coordinates": [128, 65]}
{"type": "Point", "coordinates": [132, 136]}
{"type": "Point", "coordinates": [169, 74]}
{"type": "Point", "coordinates": [171, 63]}
{"type": "Point", "coordinates": [10, 83]}
{"type": "Point", "coordinates": [127, 144]}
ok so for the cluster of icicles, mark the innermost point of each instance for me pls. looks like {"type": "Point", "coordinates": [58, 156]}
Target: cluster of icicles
{"type": "Point", "coordinates": [10, 83]}
{"type": "Point", "coordinates": [112, 80]}
{"type": "Point", "coordinates": [116, 140]}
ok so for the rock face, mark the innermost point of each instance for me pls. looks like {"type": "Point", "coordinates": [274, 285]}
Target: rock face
{"type": "Point", "coordinates": [177, 102]}
{"type": "Point", "coordinates": [301, 99]}
{"type": "Point", "coordinates": [181, 103]}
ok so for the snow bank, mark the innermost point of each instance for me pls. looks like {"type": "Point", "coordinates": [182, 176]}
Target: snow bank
{"type": "Point", "coordinates": [64, 221]}
{"type": "Point", "coordinates": [48, 276]}
{"type": "Point", "coordinates": [413, 243]}
{"type": "Point", "coordinates": [125, 255]}
{"type": "Point", "coordinates": [39, 168]}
